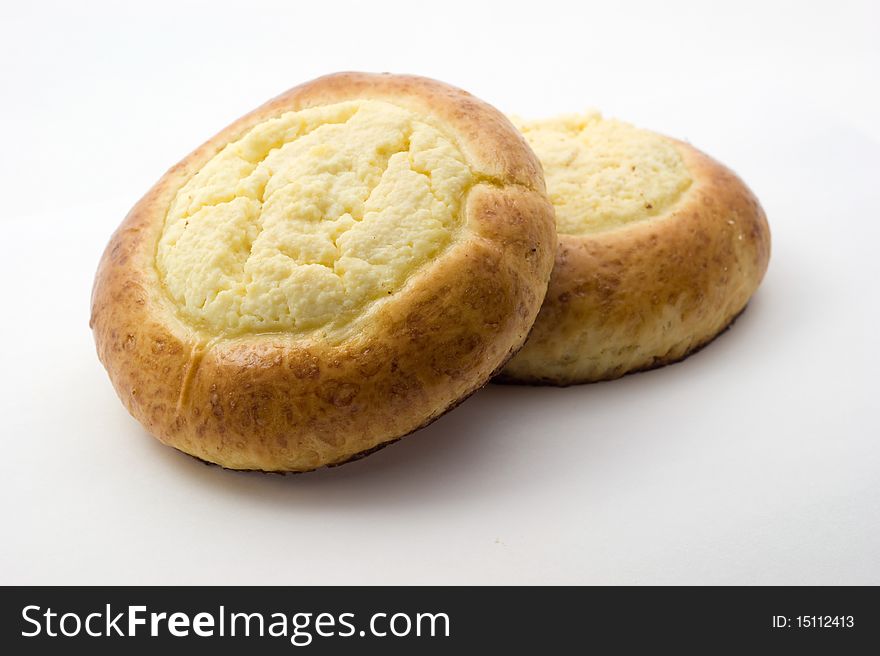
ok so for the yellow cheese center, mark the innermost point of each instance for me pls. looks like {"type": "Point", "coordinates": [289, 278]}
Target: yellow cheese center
{"type": "Point", "coordinates": [602, 174]}
{"type": "Point", "coordinates": [310, 216]}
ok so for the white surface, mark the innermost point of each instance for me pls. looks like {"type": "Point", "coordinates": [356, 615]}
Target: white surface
{"type": "Point", "coordinates": [755, 461]}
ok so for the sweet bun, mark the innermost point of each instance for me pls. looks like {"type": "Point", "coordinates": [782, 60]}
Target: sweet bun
{"type": "Point", "coordinates": [660, 248]}
{"type": "Point", "coordinates": [326, 275]}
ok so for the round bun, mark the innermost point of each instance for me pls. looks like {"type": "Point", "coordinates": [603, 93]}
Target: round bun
{"type": "Point", "coordinates": [327, 274]}
{"type": "Point", "coordinates": [660, 248]}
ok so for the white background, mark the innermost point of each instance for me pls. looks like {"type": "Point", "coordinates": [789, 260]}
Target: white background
{"type": "Point", "coordinates": [755, 461]}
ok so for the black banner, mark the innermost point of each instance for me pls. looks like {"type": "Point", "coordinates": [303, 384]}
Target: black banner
{"type": "Point", "coordinates": [435, 620]}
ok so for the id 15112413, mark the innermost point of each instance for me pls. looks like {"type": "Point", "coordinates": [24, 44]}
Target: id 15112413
{"type": "Point", "coordinates": [814, 622]}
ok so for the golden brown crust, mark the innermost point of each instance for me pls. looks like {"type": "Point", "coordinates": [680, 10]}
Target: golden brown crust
{"type": "Point", "coordinates": [294, 403]}
{"type": "Point", "coordinates": [653, 291]}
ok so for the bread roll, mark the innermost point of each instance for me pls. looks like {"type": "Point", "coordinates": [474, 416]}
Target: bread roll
{"type": "Point", "coordinates": [327, 274]}
{"type": "Point", "coordinates": [660, 248]}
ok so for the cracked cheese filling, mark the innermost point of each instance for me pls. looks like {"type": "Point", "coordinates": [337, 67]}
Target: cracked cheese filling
{"type": "Point", "coordinates": [602, 174]}
{"type": "Point", "coordinates": [310, 216]}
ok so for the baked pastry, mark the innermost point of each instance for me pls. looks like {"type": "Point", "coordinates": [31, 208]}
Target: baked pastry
{"type": "Point", "coordinates": [327, 274]}
{"type": "Point", "coordinates": [660, 248]}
